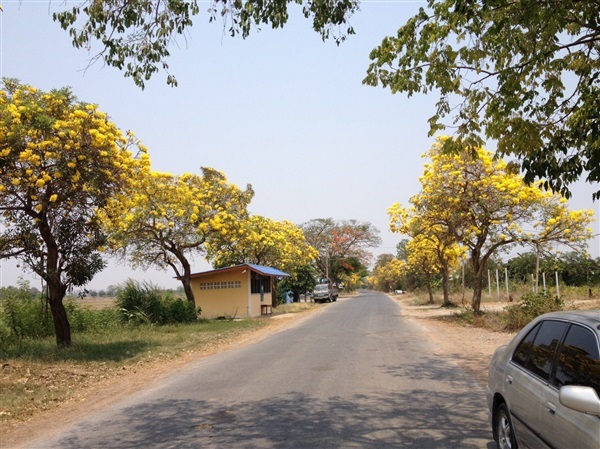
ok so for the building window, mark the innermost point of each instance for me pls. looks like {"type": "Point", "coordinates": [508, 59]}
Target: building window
{"type": "Point", "coordinates": [220, 285]}
{"type": "Point", "coordinates": [258, 280]}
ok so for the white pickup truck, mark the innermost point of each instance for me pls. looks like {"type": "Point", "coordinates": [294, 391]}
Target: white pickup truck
{"type": "Point", "coordinates": [325, 293]}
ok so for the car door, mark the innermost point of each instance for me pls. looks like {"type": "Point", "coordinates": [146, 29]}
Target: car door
{"type": "Point", "coordinates": [528, 376]}
{"type": "Point", "coordinates": [578, 363]}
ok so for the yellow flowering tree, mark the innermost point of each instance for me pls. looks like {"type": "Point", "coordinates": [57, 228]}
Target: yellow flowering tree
{"type": "Point", "coordinates": [486, 206]}
{"type": "Point", "coordinates": [169, 219]}
{"type": "Point", "coordinates": [61, 161]}
{"type": "Point", "coordinates": [432, 250]}
{"type": "Point", "coordinates": [263, 241]}
{"type": "Point", "coordinates": [388, 272]}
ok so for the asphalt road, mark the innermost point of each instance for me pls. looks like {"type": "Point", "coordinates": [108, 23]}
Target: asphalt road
{"type": "Point", "coordinates": [357, 375]}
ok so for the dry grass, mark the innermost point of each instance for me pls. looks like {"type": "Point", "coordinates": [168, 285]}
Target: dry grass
{"type": "Point", "coordinates": [97, 303]}
{"type": "Point", "coordinates": [296, 307]}
{"type": "Point", "coordinates": [36, 375]}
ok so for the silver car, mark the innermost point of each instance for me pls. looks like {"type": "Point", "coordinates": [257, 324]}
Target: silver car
{"type": "Point", "coordinates": [544, 386]}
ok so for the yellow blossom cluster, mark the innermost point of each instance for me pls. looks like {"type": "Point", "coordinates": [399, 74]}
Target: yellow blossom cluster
{"type": "Point", "coordinates": [262, 240]}
{"type": "Point", "coordinates": [172, 215]}
{"type": "Point", "coordinates": [56, 153]}
{"type": "Point", "coordinates": [471, 199]}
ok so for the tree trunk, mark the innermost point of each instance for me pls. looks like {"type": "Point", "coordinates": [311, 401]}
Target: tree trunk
{"type": "Point", "coordinates": [446, 286]}
{"type": "Point", "coordinates": [186, 278]}
{"type": "Point", "coordinates": [56, 294]}
{"type": "Point", "coordinates": [62, 328]}
{"type": "Point", "coordinates": [56, 291]}
{"type": "Point", "coordinates": [477, 283]}
{"type": "Point", "coordinates": [274, 283]}
{"type": "Point", "coordinates": [187, 289]}
{"type": "Point", "coordinates": [296, 295]}
{"type": "Point", "coordinates": [430, 291]}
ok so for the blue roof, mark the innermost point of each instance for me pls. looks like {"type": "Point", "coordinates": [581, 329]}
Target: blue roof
{"type": "Point", "coordinates": [268, 271]}
{"type": "Point", "coordinates": [265, 271]}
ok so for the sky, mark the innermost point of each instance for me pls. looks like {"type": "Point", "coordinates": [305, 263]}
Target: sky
{"type": "Point", "coordinates": [281, 110]}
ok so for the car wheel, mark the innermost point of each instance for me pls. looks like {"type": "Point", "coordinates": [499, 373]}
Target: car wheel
{"type": "Point", "coordinates": [504, 429]}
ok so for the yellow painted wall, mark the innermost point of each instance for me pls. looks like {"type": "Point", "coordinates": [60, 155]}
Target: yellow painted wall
{"type": "Point", "coordinates": [256, 302]}
{"type": "Point", "coordinates": [227, 301]}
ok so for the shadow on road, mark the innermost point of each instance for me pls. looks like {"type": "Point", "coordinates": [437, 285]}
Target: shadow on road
{"type": "Point", "coordinates": [297, 421]}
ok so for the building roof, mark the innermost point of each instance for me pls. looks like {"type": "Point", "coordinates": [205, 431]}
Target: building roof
{"type": "Point", "coordinates": [265, 271]}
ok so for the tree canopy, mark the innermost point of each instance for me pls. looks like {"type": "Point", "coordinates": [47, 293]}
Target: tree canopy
{"type": "Point", "coordinates": [61, 161]}
{"type": "Point", "coordinates": [524, 73]}
{"type": "Point", "coordinates": [478, 202]}
{"type": "Point", "coordinates": [168, 219]}
{"type": "Point", "coordinates": [339, 243]}
{"type": "Point", "coordinates": [136, 36]}
{"type": "Point", "coordinates": [263, 241]}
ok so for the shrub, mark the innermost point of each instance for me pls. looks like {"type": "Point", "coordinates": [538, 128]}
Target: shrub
{"type": "Point", "coordinates": [531, 306]}
{"type": "Point", "coordinates": [177, 310]}
{"type": "Point", "coordinates": [139, 302]}
{"type": "Point", "coordinates": [143, 303]}
{"type": "Point", "coordinates": [25, 316]}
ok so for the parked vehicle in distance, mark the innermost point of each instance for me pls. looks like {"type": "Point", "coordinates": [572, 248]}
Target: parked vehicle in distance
{"type": "Point", "coordinates": [544, 386]}
{"type": "Point", "coordinates": [325, 293]}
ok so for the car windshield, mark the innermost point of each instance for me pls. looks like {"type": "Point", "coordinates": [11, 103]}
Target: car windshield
{"type": "Point", "coordinates": [321, 288]}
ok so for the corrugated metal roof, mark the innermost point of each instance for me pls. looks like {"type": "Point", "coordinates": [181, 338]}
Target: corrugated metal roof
{"type": "Point", "coordinates": [266, 271]}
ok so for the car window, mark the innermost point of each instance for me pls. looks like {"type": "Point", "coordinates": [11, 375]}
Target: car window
{"type": "Point", "coordinates": [522, 352]}
{"type": "Point", "coordinates": [579, 360]}
{"type": "Point", "coordinates": [544, 347]}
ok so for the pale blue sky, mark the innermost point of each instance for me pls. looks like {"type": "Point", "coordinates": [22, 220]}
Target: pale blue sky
{"type": "Point", "coordinates": [281, 110]}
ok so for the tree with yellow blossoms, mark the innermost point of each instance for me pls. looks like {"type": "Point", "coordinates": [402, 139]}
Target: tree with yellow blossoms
{"type": "Point", "coordinates": [388, 272]}
{"type": "Point", "coordinates": [432, 249]}
{"type": "Point", "coordinates": [486, 206]}
{"type": "Point", "coordinates": [61, 161]}
{"type": "Point", "coordinates": [263, 241]}
{"type": "Point", "coordinates": [169, 219]}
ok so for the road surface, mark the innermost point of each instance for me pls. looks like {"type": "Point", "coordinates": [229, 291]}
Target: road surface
{"type": "Point", "coordinates": [356, 375]}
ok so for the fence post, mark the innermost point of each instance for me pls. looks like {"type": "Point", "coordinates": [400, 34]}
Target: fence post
{"type": "Point", "coordinates": [506, 282]}
{"type": "Point", "coordinates": [544, 280]}
{"type": "Point", "coordinates": [497, 285]}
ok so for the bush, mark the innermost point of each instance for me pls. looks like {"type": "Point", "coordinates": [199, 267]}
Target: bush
{"type": "Point", "coordinates": [177, 310]}
{"type": "Point", "coordinates": [531, 306]}
{"type": "Point", "coordinates": [25, 316]}
{"type": "Point", "coordinates": [139, 302]}
{"type": "Point", "coordinates": [143, 303]}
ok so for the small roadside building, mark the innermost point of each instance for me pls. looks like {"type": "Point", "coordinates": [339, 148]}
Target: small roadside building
{"type": "Point", "coordinates": [245, 290]}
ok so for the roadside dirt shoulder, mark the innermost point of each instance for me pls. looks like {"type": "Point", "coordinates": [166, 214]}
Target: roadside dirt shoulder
{"type": "Point", "coordinates": [470, 347]}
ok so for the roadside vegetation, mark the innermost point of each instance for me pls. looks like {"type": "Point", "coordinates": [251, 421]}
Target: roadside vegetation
{"type": "Point", "coordinates": [143, 327]}
{"type": "Point", "coordinates": [500, 315]}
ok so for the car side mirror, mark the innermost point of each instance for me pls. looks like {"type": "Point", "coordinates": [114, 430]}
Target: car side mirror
{"type": "Point", "coordinates": [581, 399]}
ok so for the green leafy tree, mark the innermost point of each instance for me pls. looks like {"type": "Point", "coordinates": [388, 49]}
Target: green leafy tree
{"type": "Point", "coordinates": [301, 281]}
{"type": "Point", "coordinates": [524, 73]}
{"type": "Point", "coordinates": [61, 161]}
{"type": "Point", "coordinates": [136, 36]}
{"type": "Point", "coordinates": [579, 269]}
